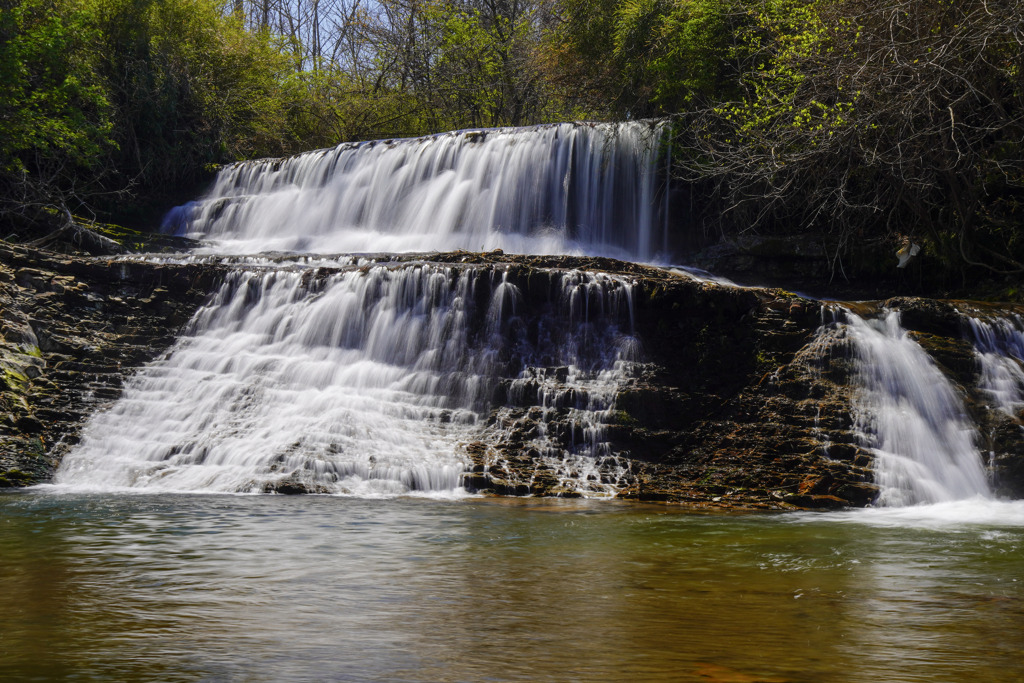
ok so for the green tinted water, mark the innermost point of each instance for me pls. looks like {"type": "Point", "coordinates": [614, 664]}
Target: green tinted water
{"type": "Point", "coordinates": [132, 587]}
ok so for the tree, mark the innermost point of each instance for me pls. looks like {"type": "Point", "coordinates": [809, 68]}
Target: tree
{"type": "Point", "coordinates": [483, 64]}
{"type": "Point", "coordinates": [192, 87]}
{"type": "Point", "coordinates": [105, 99]}
{"type": "Point", "coordinates": [676, 55]}
{"type": "Point", "coordinates": [644, 58]}
{"type": "Point", "coordinates": [906, 114]}
{"type": "Point", "coordinates": [55, 118]}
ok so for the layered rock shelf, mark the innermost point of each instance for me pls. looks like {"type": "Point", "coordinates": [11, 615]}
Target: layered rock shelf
{"type": "Point", "coordinates": [73, 329]}
{"type": "Point", "coordinates": [738, 399]}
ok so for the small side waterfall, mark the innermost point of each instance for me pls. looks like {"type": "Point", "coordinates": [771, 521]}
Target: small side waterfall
{"type": "Point", "coordinates": [909, 414]}
{"type": "Point", "coordinates": [999, 349]}
{"type": "Point", "coordinates": [368, 381]}
{"type": "Point", "coordinates": [573, 400]}
{"type": "Point", "coordinates": [566, 188]}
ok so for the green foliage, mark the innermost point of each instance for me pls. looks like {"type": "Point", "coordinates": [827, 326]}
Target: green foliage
{"type": "Point", "coordinates": [55, 117]}
{"type": "Point", "coordinates": [50, 100]}
{"type": "Point", "coordinates": [575, 59]}
{"type": "Point", "coordinates": [107, 96]}
{"type": "Point", "coordinates": [192, 87]}
{"type": "Point", "coordinates": [469, 65]}
{"type": "Point", "coordinates": [890, 119]}
{"type": "Point", "coordinates": [784, 39]}
{"type": "Point", "coordinates": [477, 65]}
{"type": "Point", "coordinates": [651, 57]}
{"type": "Point", "coordinates": [677, 53]}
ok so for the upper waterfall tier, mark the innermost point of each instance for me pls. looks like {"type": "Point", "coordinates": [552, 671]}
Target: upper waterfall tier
{"type": "Point", "coordinates": [596, 189]}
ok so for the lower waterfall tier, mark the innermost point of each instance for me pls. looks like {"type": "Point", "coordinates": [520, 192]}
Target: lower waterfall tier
{"type": "Point", "coordinates": [446, 374]}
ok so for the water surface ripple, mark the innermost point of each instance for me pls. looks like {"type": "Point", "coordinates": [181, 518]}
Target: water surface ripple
{"type": "Point", "coordinates": [261, 588]}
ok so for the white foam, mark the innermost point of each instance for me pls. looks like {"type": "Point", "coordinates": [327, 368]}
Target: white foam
{"type": "Point", "coordinates": [910, 415]}
{"type": "Point", "coordinates": [557, 189]}
{"type": "Point", "coordinates": [966, 514]}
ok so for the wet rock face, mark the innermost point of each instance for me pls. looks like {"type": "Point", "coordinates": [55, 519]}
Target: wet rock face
{"type": "Point", "coordinates": [734, 403]}
{"type": "Point", "coordinates": [73, 329]}
{"type": "Point", "coordinates": [754, 414]}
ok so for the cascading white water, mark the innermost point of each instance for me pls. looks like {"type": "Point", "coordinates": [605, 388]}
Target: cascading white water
{"type": "Point", "coordinates": [909, 414]}
{"type": "Point", "coordinates": [999, 349]}
{"type": "Point", "coordinates": [575, 399]}
{"type": "Point", "coordinates": [365, 382]}
{"type": "Point", "coordinates": [338, 385]}
{"type": "Point", "coordinates": [371, 381]}
{"type": "Point", "coordinates": [566, 188]}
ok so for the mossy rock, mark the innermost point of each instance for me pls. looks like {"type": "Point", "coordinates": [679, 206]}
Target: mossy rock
{"type": "Point", "coordinates": [14, 478]}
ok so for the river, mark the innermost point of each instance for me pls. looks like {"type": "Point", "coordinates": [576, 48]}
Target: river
{"type": "Point", "coordinates": [240, 587]}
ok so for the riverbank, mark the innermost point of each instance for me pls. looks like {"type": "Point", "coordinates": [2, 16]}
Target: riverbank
{"type": "Point", "coordinates": [73, 329]}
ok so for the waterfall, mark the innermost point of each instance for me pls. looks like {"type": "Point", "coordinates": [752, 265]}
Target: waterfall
{"type": "Point", "coordinates": [321, 366]}
{"type": "Point", "coordinates": [365, 381]}
{"type": "Point", "coordinates": [573, 400]}
{"type": "Point", "coordinates": [910, 415]}
{"type": "Point", "coordinates": [999, 350]}
{"type": "Point", "coordinates": [565, 188]}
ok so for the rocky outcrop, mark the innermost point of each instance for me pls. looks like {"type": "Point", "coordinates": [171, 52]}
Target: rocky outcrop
{"type": "Point", "coordinates": [739, 397]}
{"type": "Point", "coordinates": [736, 405]}
{"type": "Point", "coordinates": [811, 262]}
{"type": "Point", "coordinates": [744, 399]}
{"type": "Point", "coordinates": [845, 267]}
{"type": "Point", "coordinates": [73, 329]}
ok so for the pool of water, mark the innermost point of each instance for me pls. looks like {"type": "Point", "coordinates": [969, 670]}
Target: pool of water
{"type": "Point", "coordinates": [268, 588]}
